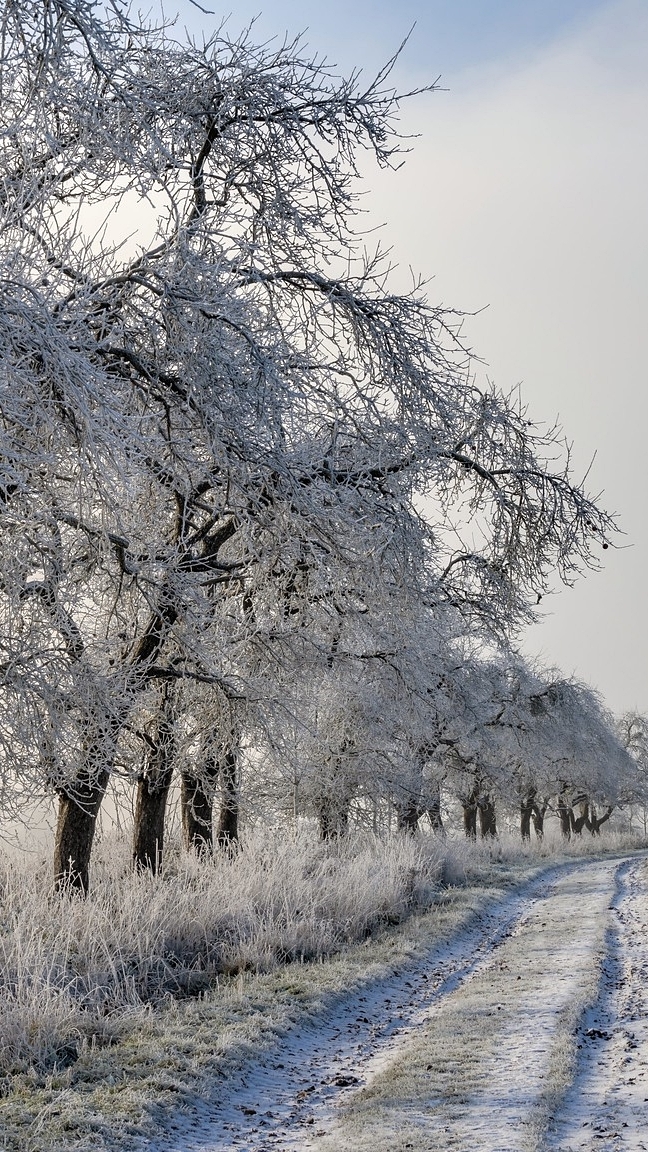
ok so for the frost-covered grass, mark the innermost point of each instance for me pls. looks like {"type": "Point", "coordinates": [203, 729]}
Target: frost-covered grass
{"type": "Point", "coordinates": [71, 969]}
{"type": "Point", "coordinates": [130, 996]}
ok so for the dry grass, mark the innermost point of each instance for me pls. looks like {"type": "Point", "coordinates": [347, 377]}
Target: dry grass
{"type": "Point", "coordinates": [72, 972]}
{"type": "Point", "coordinates": [71, 969]}
{"type": "Point", "coordinates": [102, 1008]}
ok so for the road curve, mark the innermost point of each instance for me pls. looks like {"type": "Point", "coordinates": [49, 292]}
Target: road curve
{"type": "Point", "coordinates": [490, 1043]}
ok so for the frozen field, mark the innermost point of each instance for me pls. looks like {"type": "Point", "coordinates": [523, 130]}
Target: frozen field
{"type": "Point", "coordinates": [528, 1031]}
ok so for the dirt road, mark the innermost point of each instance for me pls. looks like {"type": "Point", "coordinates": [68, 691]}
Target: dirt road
{"type": "Point", "coordinates": [527, 1032]}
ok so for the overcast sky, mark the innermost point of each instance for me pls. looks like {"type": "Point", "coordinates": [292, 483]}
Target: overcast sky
{"type": "Point", "coordinates": [527, 196]}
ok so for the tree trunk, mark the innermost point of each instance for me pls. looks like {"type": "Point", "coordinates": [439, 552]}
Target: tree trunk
{"type": "Point", "coordinates": [526, 812]}
{"type": "Point", "coordinates": [153, 787]}
{"type": "Point", "coordinates": [196, 803]}
{"type": "Point", "coordinates": [566, 817]}
{"type": "Point", "coordinates": [487, 822]}
{"type": "Point", "coordinates": [407, 816]}
{"type": "Point", "coordinates": [414, 801]}
{"type": "Point", "coordinates": [596, 822]}
{"type": "Point", "coordinates": [582, 820]}
{"type": "Point", "coordinates": [75, 829]}
{"type": "Point", "coordinates": [538, 817]}
{"type": "Point", "coordinates": [334, 801]}
{"type": "Point", "coordinates": [79, 808]}
{"type": "Point", "coordinates": [333, 815]}
{"type": "Point", "coordinates": [227, 834]}
{"type": "Point", "coordinates": [470, 818]}
{"type": "Point", "coordinates": [148, 834]}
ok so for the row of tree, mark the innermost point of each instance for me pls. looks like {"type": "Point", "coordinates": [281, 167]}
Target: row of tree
{"type": "Point", "coordinates": [254, 507]}
{"type": "Point", "coordinates": [484, 732]}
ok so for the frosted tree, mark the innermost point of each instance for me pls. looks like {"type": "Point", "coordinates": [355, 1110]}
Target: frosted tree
{"type": "Point", "coordinates": [535, 741]}
{"type": "Point", "coordinates": [573, 739]}
{"type": "Point", "coordinates": [632, 729]}
{"type": "Point", "coordinates": [208, 392]}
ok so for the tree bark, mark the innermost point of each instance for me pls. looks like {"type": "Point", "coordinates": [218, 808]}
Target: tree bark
{"type": "Point", "coordinates": [421, 796]}
{"type": "Point", "coordinates": [582, 820]}
{"type": "Point", "coordinates": [79, 806]}
{"type": "Point", "coordinates": [595, 822]}
{"type": "Point", "coordinates": [526, 812]}
{"type": "Point", "coordinates": [470, 817]}
{"type": "Point", "coordinates": [538, 817]}
{"type": "Point", "coordinates": [333, 816]}
{"type": "Point", "coordinates": [75, 829]}
{"type": "Point", "coordinates": [148, 836]}
{"type": "Point", "coordinates": [198, 796]}
{"type": "Point", "coordinates": [153, 788]}
{"type": "Point", "coordinates": [334, 801]}
{"type": "Point", "coordinates": [196, 803]}
{"type": "Point", "coordinates": [566, 817]}
{"type": "Point", "coordinates": [487, 821]}
{"type": "Point", "coordinates": [228, 833]}
{"type": "Point", "coordinates": [434, 811]}
{"type": "Point", "coordinates": [407, 816]}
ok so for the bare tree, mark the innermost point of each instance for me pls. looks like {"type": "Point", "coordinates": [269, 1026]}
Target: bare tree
{"type": "Point", "coordinates": [196, 415]}
{"type": "Point", "coordinates": [632, 729]}
{"type": "Point", "coordinates": [212, 764]}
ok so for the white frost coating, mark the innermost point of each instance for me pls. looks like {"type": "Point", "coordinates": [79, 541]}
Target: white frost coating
{"type": "Point", "coordinates": [484, 1070]}
{"type": "Point", "coordinates": [472, 1048]}
{"type": "Point", "coordinates": [607, 1106]}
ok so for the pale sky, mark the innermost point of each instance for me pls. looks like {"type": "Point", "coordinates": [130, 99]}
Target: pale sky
{"type": "Point", "coordinates": [527, 196]}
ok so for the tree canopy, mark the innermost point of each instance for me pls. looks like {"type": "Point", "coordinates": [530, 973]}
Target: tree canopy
{"type": "Point", "coordinates": [230, 453]}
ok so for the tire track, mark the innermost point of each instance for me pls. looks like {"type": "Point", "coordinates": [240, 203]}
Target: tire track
{"type": "Point", "coordinates": [489, 1066]}
{"type": "Point", "coordinates": [293, 1096]}
{"type": "Point", "coordinates": [607, 1105]}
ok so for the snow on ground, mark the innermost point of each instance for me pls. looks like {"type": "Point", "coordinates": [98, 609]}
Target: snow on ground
{"type": "Point", "coordinates": [487, 1065]}
{"type": "Point", "coordinates": [607, 1106]}
{"type": "Point", "coordinates": [472, 1048]}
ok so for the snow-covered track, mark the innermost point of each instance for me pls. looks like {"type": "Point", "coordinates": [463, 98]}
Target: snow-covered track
{"type": "Point", "coordinates": [607, 1105]}
{"type": "Point", "coordinates": [471, 1047]}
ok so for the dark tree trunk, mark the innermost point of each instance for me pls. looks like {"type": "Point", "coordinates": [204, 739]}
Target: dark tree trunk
{"type": "Point", "coordinates": [566, 817]}
{"type": "Point", "coordinates": [424, 796]}
{"type": "Point", "coordinates": [582, 820]}
{"type": "Point", "coordinates": [333, 815]}
{"type": "Point", "coordinates": [407, 817]}
{"type": "Point", "coordinates": [595, 822]}
{"type": "Point", "coordinates": [487, 821]}
{"type": "Point", "coordinates": [538, 817]}
{"type": "Point", "coordinates": [334, 802]}
{"type": "Point", "coordinates": [470, 818]}
{"type": "Point", "coordinates": [153, 788]}
{"type": "Point", "coordinates": [227, 834]}
{"type": "Point", "coordinates": [75, 829]}
{"type": "Point", "coordinates": [526, 812]}
{"type": "Point", "coordinates": [148, 837]}
{"type": "Point", "coordinates": [79, 807]}
{"type": "Point", "coordinates": [196, 803]}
